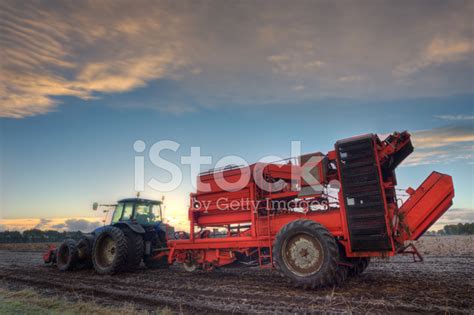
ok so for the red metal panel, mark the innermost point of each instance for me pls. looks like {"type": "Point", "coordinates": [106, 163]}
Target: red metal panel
{"type": "Point", "coordinates": [427, 204]}
{"type": "Point", "coordinates": [330, 219]}
{"type": "Point", "coordinates": [223, 180]}
{"type": "Point", "coordinates": [284, 171]}
{"type": "Point", "coordinates": [230, 217]}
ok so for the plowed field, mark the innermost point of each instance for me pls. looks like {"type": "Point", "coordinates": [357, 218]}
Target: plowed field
{"type": "Point", "coordinates": [441, 283]}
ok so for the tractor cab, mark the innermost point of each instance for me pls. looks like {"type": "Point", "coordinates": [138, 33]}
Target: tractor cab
{"type": "Point", "coordinates": [138, 211]}
{"type": "Point", "coordinates": [143, 216]}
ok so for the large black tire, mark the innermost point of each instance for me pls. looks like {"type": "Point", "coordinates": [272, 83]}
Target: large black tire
{"type": "Point", "coordinates": [342, 271]}
{"type": "Point", "coordinates": [67, 255]}
{"type": "Point", "coordinates": [341, 275]}
{"type": "Point", "coordinates": [306, 253]}
{"type": "Point", "coordinates": [110, 250]}
{"type": "Point", "coordinates": [365, 263]}
{"type": "Point", "coordinates": [136, 249]}
{"type": "Point", "coordinates": [84, 247]}
{"type": "Point", "coordinates": [161, 263]}
{"type": "Point", "coordinates": [359, 266]}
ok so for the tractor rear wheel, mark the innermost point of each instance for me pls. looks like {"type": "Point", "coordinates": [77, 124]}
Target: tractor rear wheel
{"type": "Point", "coordinates": [67, 255]}
{"type": "Point", "coordinates": [110, 250]}
{"type": "Point", "coordinates": [306, 253]}
{"type": "Point", "coordinates": [136, 249]}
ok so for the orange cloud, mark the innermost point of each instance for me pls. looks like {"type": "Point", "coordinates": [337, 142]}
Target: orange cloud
{"type": "Point", "coordinates": [439, 51]}
{"type": "Point", "coordinates": [441, 145]}
{"type": "Point", "coordinates": [85, 224]}
{"type": "Point", "coordinates": [221, 53]}
{"type": "Point", "coordinates": [47, 53]}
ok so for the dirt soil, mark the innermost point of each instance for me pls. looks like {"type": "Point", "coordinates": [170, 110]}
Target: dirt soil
{"type": "Point", "coordinates": [439, 284]}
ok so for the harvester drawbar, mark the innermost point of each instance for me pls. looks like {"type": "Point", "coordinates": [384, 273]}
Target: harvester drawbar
{"type": "Point", "coordinates": [285, 216]}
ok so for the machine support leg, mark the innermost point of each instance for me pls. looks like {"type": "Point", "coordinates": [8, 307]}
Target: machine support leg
{"type": "Point", "coordinates": [413, 251]}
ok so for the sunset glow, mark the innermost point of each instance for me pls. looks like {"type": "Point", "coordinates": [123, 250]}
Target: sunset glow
{"type": "Point", "coordinates": [81, 82]}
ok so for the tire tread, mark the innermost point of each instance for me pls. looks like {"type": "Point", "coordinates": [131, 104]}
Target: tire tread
{"type": "Point", "coordinates": [122, 251]}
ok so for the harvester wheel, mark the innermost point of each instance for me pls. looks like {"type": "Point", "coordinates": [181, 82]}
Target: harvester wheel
{"type": "Point", "coordinates": [306, 253]}
{"type": "Point", "coordinates": [161, 263]}
{"type": "Point", "coordinates": [109, 253]}
{"type": "Point", "coordinates": [359, 266]}
{"type": "Point", "coordinates": [365, 264]}
{"type": "Point", "coordinates": [67, 255]}
{"type": "Point", "coordinates": [354, 271]}
{"type": "Point", "coordinates": [190, 266]}
{"type": "Point", "coordinates": [84, 247]}
{"type": "Point", "coordinates": [341, 275]}
{"type": "Point", "coordinates": [342, 271]}
{"type": "Point", "coordinates": [136, 249]}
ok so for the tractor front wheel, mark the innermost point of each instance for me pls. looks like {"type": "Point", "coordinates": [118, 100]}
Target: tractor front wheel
{"type": "Point", "coordinates": [110, 250]}
{"type": "Point", "coordinates": [306, 253]}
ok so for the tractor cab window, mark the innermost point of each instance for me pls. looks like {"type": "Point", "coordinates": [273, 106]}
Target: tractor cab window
{"type": "Point", "coordinates": [127, 212]}
{"type": "Point", "coordinates": [147, 213]}
{"type": "Point", "coordinates": [117, 213]}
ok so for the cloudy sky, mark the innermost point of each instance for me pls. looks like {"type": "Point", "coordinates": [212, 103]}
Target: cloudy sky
{"type": "Point", "coordinates": [81, 81]}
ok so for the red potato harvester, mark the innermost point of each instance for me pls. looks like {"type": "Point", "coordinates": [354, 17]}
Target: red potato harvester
{"type": "Point", "coordinates": [311, 245]}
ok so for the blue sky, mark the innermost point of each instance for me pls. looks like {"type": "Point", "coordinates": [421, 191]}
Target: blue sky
{"type": "Point", "coordinates": [77, 92]}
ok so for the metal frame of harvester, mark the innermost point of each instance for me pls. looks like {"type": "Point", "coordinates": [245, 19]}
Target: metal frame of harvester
{"type": "Point", "coordinates": [365, 221]}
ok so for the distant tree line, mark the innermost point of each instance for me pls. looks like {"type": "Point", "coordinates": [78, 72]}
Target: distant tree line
{"type": "Point", "coordinates": [454, 229]}
{"type": "Point", "coordinates": [37, 236]}
{"type": "Point", "coordinates": [52, 236]}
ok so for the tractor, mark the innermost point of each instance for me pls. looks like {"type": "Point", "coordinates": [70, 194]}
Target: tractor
{"type": "Point", "coordinates": [136, 232]}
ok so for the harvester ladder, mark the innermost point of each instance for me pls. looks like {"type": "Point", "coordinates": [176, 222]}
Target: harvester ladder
{"type": "Point", "coordinates": [263, 256]}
